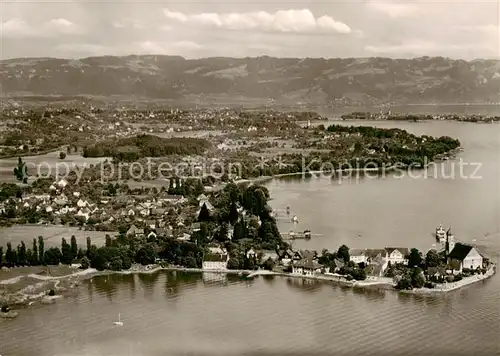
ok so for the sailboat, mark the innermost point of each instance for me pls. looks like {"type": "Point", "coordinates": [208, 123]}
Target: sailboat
{"type": "Point", "coordinates": [119, 322]}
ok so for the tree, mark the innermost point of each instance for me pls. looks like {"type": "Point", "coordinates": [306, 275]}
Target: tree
{"type": "Point", "coordinates": [116, 263]}
{"type": "Point", "coordinates": [21, 171]}
{"type": "Point", "coordinates": [268, 264]}
{"type": "Point", "coordinates": [41, 250]}
{"type": "Point", "coordinates": [233, 214]}
{"type": "Point", "coordinates": [359, 274]}
{"type": "Point", "coordinates": [52, 256]}
{"type": "Point", "coordinates": [66, 252]}
{"type": "Point", "coordinates": [84, 263]}
{"type": "Point", "coordinates": [343, 253]}
{"type": "Point", "coordinates": [21, 254]}
{"type": "Point", "coordinates": [74, 247]}
{"type": "Point", "coordinates": [34, 254]}
{"type": "Point", "coordinates": [417, 278]}
{"type": "Point", "coordinates": [89, 244]}
{"type": "Point", "coordinates": [62, 155]}
{"type": "Point", "coordinates": [404, 282]}
{"type": "Point", "coordinates": [10, 255]}
{"type": "Point", "coordinates": [1, 256]}
{"type": "Point", "coordinates": [146, 255]}
{"type": "Point", "coordinates": [108, 240]}
{"type": "Point", "coordinates": [204, 215]}
{"type": "Point", "coordinates": [432, 259]}
{"type": "Point", "coordinates": [98, 262]}
{"type": "Point", "coordinates": [415, 258]}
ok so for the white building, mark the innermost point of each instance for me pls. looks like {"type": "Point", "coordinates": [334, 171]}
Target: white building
{"type": "Point", "coordinates": [358, 256]}
{"type": "Point", "coordinates": [215, 262]}
{"type": "Point", "coordinates": [62, 183]}
{"type": "Point", "coordinates": [465, 256]}
{"type": "Point", "coordinates": [396, 255]}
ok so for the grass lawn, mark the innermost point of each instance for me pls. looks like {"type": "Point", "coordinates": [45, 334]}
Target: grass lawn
{"type": "Point", "coordinates": [52, 235]}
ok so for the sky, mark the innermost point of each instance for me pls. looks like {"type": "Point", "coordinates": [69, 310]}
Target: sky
{"type": "Point", "coordinates": [466, 29]}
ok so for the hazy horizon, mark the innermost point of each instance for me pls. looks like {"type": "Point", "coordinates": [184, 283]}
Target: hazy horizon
{"type": "Point", "coordinates": [251, 57]}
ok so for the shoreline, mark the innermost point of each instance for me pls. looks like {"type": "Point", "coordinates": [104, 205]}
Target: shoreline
{"type": "Point", "coordinates": [23, 298]}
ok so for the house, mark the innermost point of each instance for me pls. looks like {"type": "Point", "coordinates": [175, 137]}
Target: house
{"type": "Point", "coordinates": [465, 256]}
{"type": "Point", "coordinates": [338, 263]}
{"type": "Point", "coordinates": [81, 203]}
{"type": "Point", "coordinates": [62, 183]}
{"type": "Point", "coordinates": [216, 250]}
{"type": "Point", "coordinates": [196, 227]}
{"type": "Point", "coordinates": [306, 266]}
{"type": "Point", "coordinates": [184, 237]}
{"type": "Point", "coordinates": [134, 231]}
{"type": "Point", "coordinates": [436, 272]}
{"type": "Point", "coordinates": [396, 255]}
{"type": "Point", "coordinates": [375, 256]}
{"type": "Point", "coordinates": [85, 212]}
{"type": "Point", "coordinates": [151, 224]}
{"type": "Point", "coordinates": [358, 256]}
{"type": "Point", "coordinates": [286, 257]}
{"type": "Point", "coordinates": [215, 262]}
{"type": "Point", "coordinates": [268, 254]}
{"type": "Point", "coordinates": [164, 232]}
{"type": "Point", "coordinates": [251, 253]}
{"type": "Point", "coordinates": [158, 211]}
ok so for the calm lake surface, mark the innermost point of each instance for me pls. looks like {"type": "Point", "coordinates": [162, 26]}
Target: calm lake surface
{"type": "Point", "coordinates": [181, 314]}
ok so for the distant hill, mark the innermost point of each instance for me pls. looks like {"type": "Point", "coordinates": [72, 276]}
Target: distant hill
{"type": "Point", "coordinates": [317, 81]}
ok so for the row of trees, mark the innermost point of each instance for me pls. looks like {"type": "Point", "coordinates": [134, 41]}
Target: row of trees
{"type": "Point", "coordinates": [133, 148]}
{"type": "Point", "coordinates": [37, 255]}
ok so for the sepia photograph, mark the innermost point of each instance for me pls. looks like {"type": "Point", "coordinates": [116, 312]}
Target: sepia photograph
{"type": "Point", "coordinates": [254, 178]}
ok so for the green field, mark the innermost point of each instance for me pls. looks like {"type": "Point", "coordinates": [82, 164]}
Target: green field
{"type": "Point", "coordinates": [51, 234]}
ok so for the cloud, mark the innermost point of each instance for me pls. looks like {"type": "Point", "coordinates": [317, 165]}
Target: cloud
{"type": "Point", "coordinates": [284, 21]}
{"type": "Point", "coordinates": [128, 23]}
{"type": "Point", "coordinates": [18, 28]}
{"type": "Point", "coordinates": [393, 9]}
{"type": "Point", "coordinates": [62, 26]}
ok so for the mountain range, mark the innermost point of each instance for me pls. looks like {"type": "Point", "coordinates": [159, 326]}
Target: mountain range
{"type": "Point", "coordinates": [294, 81]}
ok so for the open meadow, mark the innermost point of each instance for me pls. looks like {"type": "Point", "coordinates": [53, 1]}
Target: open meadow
{"type": "Point", "coordinates": [52, 235]}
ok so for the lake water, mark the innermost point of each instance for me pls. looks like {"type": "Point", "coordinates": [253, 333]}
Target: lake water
{"type": "Point", "coordinates": [180, 314]}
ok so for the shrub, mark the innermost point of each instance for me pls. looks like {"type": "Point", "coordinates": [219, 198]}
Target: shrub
{"type": "Point", "coordinates": [84, 263]}
{"type": "Point", "coordinates": [457, 278]}
{"type": "Point", "coordinates": [62, 155]}
{"type": "Point", "coordinates": [5, 309]}
{"type": "Point", "coordinates": [429, 285]}
{"type": "Point", "coordinates": [51, 293]}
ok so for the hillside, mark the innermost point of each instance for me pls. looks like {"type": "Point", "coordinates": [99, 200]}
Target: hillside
{"type": "Point", "coordinates": [344, 82]}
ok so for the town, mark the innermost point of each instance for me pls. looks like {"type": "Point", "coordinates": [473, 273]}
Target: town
{"type": "Point", "coordinates": [207, 211]}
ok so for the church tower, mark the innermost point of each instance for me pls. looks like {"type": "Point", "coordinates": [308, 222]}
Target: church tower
{"type": "Point", "coordinates": [450, 241]}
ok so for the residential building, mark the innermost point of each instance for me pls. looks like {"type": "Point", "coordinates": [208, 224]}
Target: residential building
{"type": "Point", "coordinates": [134, 231]}
{"type": "Point", "coordinates": [396, 255]}
{"type": "Point", "coordinates": [215, 261]}
{"type": "Point", "coordinates": [358, 256]}
{"type": "Point", "coordinates": [306, 266]}
{"type": "Point", "coordinates": [375, 256]}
